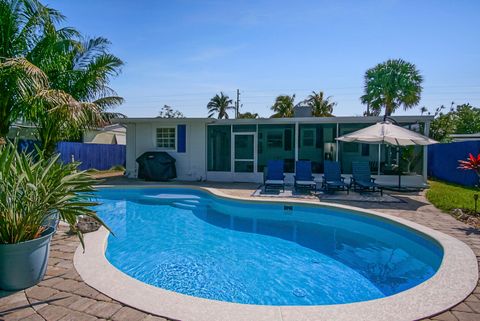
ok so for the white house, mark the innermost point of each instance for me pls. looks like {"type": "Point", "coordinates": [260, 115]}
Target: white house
{"type": "Point", "coordinates": [237, 150]}
{"type": "Point", "coordinates": [112, 134]}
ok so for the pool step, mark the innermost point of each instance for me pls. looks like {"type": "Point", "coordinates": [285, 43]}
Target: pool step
{"type": "Point", "coordinates": [189, 206]}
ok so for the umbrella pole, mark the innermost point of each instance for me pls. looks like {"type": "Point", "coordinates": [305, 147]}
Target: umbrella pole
{"type": "Point", "coordinates": [399, 169]}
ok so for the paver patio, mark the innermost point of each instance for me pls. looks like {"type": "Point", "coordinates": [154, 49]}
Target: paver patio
{"type": "Point", "coordinates": [62, 295]}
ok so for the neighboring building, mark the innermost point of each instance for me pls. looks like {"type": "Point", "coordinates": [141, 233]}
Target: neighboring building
{"type": "Point", "coordinates": [113, 134]}
{"type": "Point", "coordinates": [464, 137]}
{"type": "Point", "coordinates": [238, 149]}
{"type": "Point", "coordinates": [22, 130]}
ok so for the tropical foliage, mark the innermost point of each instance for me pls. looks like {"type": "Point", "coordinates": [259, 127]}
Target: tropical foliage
{"type": "Point", "coordinates": [220, 105]}
{"type": "Point", "coordinates": [52, 76]}
{"type": "Point", "coordinates": [283, 106]}
{"type": "Point", "coordinates": [36, 192]}
{"type": "Point", "coordinates": [462, 119]}
{"type": "Point", "coordinates": [472, 163]}
{"type": "Point", "coordinates": [467, 119]}
{"type": "Point", "coordinates": [248, 115]}
{"type": "Point", "coordinates": [169, 112]}
{"type": "Point", "coordinates": [391, 85]}
{"type": "Point", "coordinates": [321, 105]}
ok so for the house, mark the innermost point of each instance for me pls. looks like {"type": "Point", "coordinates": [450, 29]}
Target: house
{"type": "Point", "coordinates": [464, 137]}
{"type": "Point", "coordinates": [237, 150]}
{"type": "Point", "coordinates": [111, 134]}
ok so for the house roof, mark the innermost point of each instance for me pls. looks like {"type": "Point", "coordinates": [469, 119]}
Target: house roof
{"type": "Point", "coordinates": [339, 119]}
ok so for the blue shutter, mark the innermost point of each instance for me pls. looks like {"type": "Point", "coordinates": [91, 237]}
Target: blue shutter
{"type": "Point", "coordinates": [181, 138]}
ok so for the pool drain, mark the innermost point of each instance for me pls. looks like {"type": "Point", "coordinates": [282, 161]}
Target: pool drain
{"type": "Point", "coordinates": [299, 293]}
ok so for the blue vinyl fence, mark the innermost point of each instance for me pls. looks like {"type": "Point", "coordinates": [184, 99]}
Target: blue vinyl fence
{"type": "Point", "coordinates": [443, 162]}
{"type": "Point", "coordinates": [98, 156]}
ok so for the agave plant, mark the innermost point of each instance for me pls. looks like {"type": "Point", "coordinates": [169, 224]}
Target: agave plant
{"type": "Point", "coordinates": [35, 192]}
{"type": "Point", "coordinates": [472, 163]}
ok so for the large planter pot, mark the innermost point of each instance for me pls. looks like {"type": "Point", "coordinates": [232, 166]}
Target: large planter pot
{"type": "Point", "coordinates": [23, 265]}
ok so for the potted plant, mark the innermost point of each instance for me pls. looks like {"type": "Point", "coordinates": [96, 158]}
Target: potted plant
{"type": "Point", "coordinates": [36, 192]}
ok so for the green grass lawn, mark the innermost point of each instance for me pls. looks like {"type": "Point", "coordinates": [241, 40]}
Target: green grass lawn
{"type": "Point", "coordinates": [447, 196]}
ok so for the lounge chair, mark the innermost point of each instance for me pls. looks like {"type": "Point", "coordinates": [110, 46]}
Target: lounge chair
{"type": "Point", "coordinates": [332, 178]}
{"type": "Point", "coordinates": [362, 178]}
{"type": "Point", "coordinates": [303, 175]}
{"type": "Point", "coordinates": [274, 178]}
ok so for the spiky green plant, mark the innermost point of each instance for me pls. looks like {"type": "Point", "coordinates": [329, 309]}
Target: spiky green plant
{"type": "Point", "coordinates": [34, 190]}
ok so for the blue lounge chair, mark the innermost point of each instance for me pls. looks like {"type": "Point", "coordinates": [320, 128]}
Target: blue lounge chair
{"type": "Point", "coordinates": [303, 175]}
{"type": "Point", "coordinates": [332, 178]}
{"type": "Point", "coordinates": [362, 178]}
{"type": "Point", "coordinates": [274, 178]}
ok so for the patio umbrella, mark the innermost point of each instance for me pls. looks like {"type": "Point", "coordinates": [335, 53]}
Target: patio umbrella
{"type": "Point", "coordinates": [386, 132]}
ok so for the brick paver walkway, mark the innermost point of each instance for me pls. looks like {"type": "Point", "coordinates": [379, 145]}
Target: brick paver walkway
{"type": "Point", "coordinates": [62, 295]}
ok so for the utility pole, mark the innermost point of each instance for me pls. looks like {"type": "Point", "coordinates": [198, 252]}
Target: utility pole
{"type": "Point", "coordinates": [237, 104]}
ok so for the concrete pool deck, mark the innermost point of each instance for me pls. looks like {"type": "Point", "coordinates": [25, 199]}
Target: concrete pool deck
{"type": "Point", "coordinates": [63, 294]}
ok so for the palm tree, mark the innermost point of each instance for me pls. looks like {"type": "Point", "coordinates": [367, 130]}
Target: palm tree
{"type": "Point", "coordinates": [392, 84]}
{"type": "Point", "coordinates": [49, 76]}
{"type": "Point", "coordinates": [22, 25]}
{"type": "Point", "coordinates": [283, 106]}
{"type": "Point", "coordinates": [79, 73]}
{"type": "Point", "coordinates": [423, 110]}
{"type": "Point", "coordinates": [219, 104]}
{"type": "Point", "coordinates": [321, 106]}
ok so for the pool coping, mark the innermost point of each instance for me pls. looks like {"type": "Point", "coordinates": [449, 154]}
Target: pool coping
{"type": "Point", "coordinates": [453, 282]}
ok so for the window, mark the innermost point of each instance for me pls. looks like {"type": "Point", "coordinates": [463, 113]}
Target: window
{"type": "Point", "coordinates": [219, 148]}
{"type": "Point", "coordinates": [166, 138]}
{"type": "Point", "coordinates": [276, 142]}
{"type": "Point", "coordinates": [275, 139]}
{"type": "Point", "coordinates": [316, 144]}
{"type": "Point", "coordinates": [308, 138]}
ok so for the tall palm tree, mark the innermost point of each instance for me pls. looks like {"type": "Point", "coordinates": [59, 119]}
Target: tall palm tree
{"type": "Point", "coordinates": [22, 25]}
{"type": "Point", "coordinates": [423, 110]}
{"type": "Point", "coordinates": [283, 106]}
{"type": "Point", "coordinates": [50, 76]}
{"type": "Point", "coordinates": [392, 84]}
{"type": "Point", "coordinates": [219, 104]}
{"type": "Point", "coordinates": [321, 105]}
{"type": "Point", "coordinates": [79, 73]}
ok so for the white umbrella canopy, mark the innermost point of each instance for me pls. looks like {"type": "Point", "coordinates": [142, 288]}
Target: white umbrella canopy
{"type": "Point", "coordinates": [387, 133]}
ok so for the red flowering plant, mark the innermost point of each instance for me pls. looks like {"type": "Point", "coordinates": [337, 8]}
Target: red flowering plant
{"type": "Point", "coordinates": [472, 163]}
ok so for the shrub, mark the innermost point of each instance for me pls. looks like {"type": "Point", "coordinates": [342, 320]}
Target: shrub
{"type": "Point", "coordinates": [35, 192]}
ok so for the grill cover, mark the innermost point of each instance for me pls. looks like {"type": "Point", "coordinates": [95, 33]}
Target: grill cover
{"type": "Point", "coordinates": [156, 166]}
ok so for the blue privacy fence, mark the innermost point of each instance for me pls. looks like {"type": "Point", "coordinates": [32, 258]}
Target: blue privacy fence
{"type": "Point", "coordinates": [443, 162]}
{"type": "Point", "coordinates": [98, 156]}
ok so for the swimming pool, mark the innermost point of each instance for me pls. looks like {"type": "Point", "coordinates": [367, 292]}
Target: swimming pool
{"type": "Point", "coordinates": [195, 243]}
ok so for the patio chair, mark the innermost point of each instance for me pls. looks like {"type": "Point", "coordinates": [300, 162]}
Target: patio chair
{"type": "Point", "coordinates": [362, 179]}
{"type": "Point", "coordinates": [274, 177]}
{"type": "Point", "coordinates": [303, 176]}
{"type": "Point", "coordinates": [332, 178]}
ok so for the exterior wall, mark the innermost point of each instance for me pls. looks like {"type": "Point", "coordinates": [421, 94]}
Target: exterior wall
{"type": "Point", "coordinates": [141, 138]}
{"type": "Point", "coordinates": [192, 165]}
{"type": "Point", "coordinates": [131, 154]}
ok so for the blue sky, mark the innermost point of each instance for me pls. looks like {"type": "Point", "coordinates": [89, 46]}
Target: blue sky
{"type": "Point", "coordinates": [182, 52]}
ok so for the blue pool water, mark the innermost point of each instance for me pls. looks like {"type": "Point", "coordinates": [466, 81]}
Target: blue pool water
{"type": "Point", "coordinates": [194, 243]}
